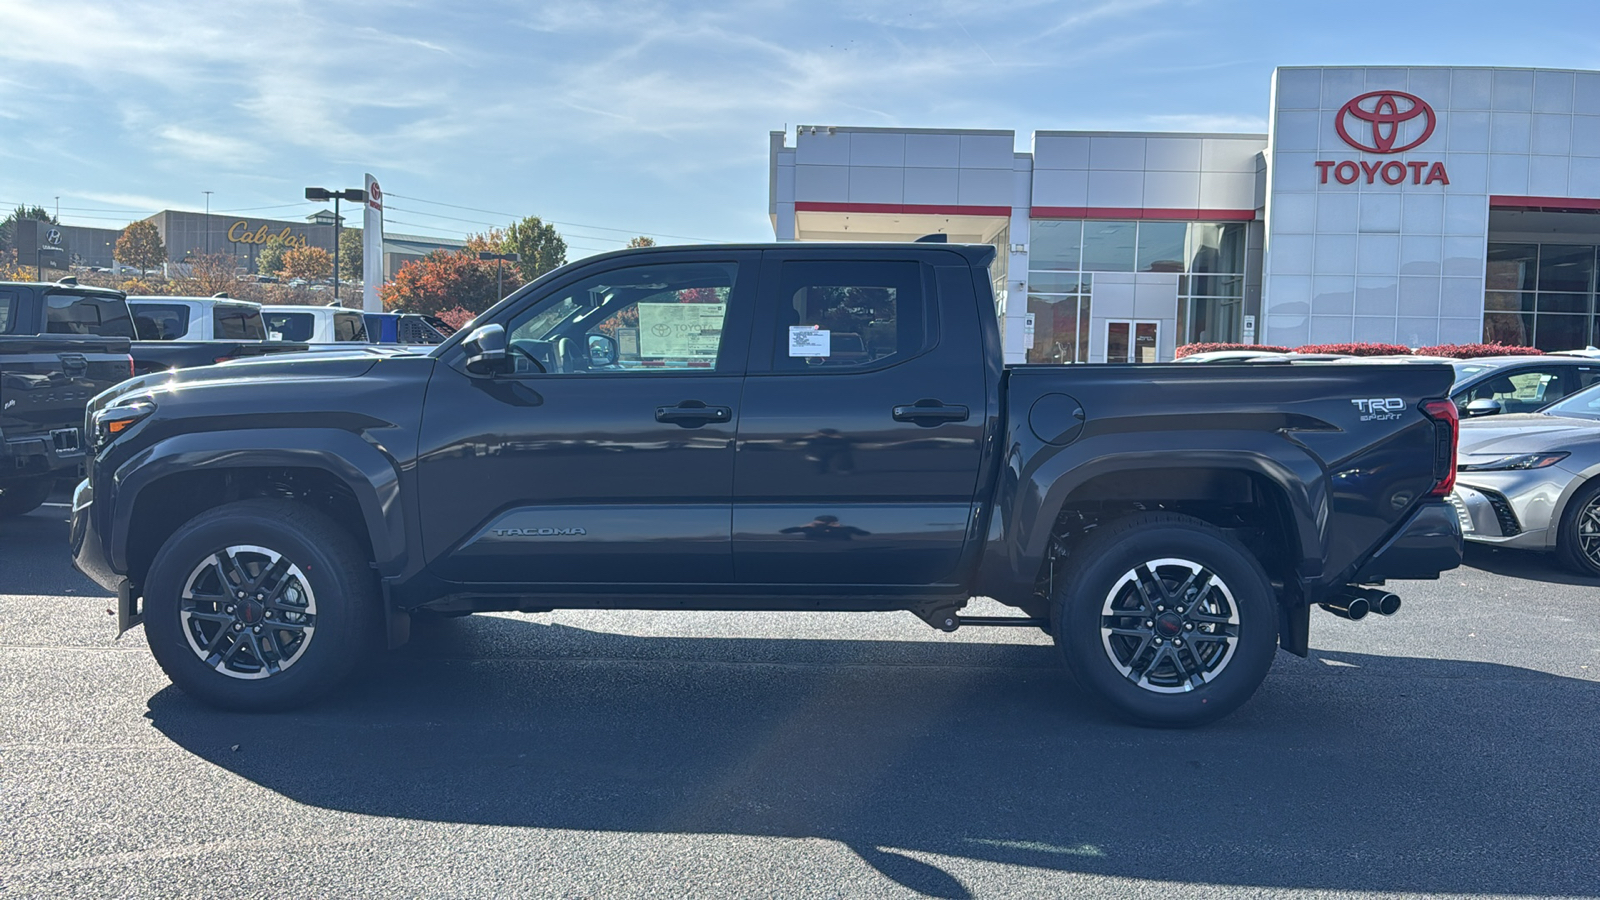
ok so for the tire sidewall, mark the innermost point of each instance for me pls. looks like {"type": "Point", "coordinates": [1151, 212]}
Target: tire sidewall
{"type": "Point", "coordinates": [1570, 547]}
{"type": "Point", "coordinates": [18, 498]}
{"type": "Point", "coordinates": [334, 649]}
{"type": "Point", "coordinates": [1084, 594]}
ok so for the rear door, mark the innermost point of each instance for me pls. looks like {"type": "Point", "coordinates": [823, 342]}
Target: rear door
{"type": "Point", "coordinates": [863, 422]}
{"type": "Point", "coordinates": [580, 470]}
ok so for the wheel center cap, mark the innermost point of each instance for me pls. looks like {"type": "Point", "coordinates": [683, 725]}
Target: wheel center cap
{"type": "Point", "coordinates": [1169, 624]}
{"type": "Point", "coordinates": [250, 612]}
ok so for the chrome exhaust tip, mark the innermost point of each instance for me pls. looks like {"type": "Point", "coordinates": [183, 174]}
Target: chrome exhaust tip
{"type": "Point", "coordinates": [1353, 608]}
{"type": "Point", "coordinates": [1381, 602]}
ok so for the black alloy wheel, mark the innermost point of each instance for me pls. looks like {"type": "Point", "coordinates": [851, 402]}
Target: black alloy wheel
{"type": "Point", "coordinates": [1165, 620]}
{"type": "Point", "coordinates": [261, 605]}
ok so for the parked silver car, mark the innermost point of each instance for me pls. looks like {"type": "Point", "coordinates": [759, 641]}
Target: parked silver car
{"type": "Point", "coordinates": [1528, 480]}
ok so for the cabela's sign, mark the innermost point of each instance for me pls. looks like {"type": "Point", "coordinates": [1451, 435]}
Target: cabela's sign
{"type": "Point", "coordinates": [240, 233]}
{"type": "Point", "coordinates": [1384, 122]}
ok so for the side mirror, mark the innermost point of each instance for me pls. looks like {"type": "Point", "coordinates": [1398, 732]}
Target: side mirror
{"type": "Point", "coordinates": [486, 350]}
{"type": "Point", "coordinates": [1484, 407]}
{"type": "Point", "coordinates": [602, 350]}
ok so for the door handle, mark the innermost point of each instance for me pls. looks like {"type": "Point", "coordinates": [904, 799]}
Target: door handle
{"type": "Point", "coordinates": [692, 413]}
{"type": "Point", "coordinates": [930, 413]}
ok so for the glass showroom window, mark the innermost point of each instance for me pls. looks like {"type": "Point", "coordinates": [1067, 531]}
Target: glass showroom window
{"type": "Point", "coordinates": [1541, 295]}
{"type": "Point", "coordinates": [1063, 254]}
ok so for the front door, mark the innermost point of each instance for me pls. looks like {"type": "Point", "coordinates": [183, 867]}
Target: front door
{"type": "Point", "coordinates": [862, 425]}
{"type": "Point", "coordinates": [1132, 342]}
{"type": "Point", "coordinates": [607, 456]}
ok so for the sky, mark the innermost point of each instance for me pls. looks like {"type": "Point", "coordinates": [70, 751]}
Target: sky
{"type": "Point", "coordinates": [628, 118]}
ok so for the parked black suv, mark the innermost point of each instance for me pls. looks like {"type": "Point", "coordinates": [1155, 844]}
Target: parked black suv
{"type": "Point", "coordinates": [670, 428]}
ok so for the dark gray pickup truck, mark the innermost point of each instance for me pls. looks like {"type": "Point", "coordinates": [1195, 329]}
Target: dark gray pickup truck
{"type": "Point", "coordinates": [59, 346]}
{"type": "Point", "coordinates": [763, 427]}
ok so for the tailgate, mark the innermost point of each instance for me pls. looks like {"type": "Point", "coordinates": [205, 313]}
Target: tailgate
{"type": "Point", "coordinates": [46, 383]}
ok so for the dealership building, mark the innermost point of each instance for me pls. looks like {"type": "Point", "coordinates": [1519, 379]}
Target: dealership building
{"type": "Point", "coordinates": [1410, 205]}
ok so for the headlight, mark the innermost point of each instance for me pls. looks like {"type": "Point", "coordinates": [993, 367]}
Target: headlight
{"type": "Point", "coordinates": [113, 421]}
{"type": "Point", "coordinates": [1525, 461]}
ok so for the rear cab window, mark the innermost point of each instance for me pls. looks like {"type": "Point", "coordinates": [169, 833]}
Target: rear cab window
{"type": "Point", "coordinates": [160, 321]}
{"type": "Point", "coordinates": [349, 326]}
{"type": "Point", "coordinates": [237, 322]}
{"type": "Point", "coordinates": [8, 311]}
{"type": "Point", "coordinates": [290, 326]}
{"type": "Point", "coordinates": [87, 315]}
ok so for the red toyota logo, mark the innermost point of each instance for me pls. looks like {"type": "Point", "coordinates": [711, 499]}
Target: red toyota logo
{"type": "Point", "coordinates": [1381, 113]}
{"type": "Point", "coordinates": [375, 196]}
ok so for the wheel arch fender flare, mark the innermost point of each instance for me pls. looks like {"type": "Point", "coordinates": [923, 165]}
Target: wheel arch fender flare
{"type": "Point", "coordinates": [1300, 482]}
{"type": "Point", "coordinates": [371, 475]}
{"type": "Point", "coordinates": [1558, 515]}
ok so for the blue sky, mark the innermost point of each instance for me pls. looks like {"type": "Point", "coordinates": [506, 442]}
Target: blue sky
{"type": "Point", "coordinates": [640, 118]}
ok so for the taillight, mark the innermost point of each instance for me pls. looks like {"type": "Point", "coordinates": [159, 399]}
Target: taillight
{"type": "Point", "coordinates": [1446, 433]}
{"type": "Point", "coordinates": [130, 367]}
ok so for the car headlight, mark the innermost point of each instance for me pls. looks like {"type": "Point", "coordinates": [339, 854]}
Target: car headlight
{"type": "Point", "coordinates": [1524, 461]}
{"type": "Point", "coordinates": [113, 421]}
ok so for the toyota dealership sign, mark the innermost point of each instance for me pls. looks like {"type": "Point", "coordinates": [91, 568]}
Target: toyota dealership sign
{"type": "Point", "coordinates": [1383, 123]}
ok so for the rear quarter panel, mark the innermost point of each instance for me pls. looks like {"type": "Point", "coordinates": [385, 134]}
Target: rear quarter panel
{"type": "Point", "coordinates": [1348, 476]}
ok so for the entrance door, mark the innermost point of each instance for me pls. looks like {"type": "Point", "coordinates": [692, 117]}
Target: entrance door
{"type": "Point", "coordinates": [607, 456]}
{"type": "Point", "coordinates": [1132, 342]}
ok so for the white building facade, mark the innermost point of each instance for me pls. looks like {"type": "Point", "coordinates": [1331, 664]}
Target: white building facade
{"type": "Point", "coordinates": [1418, 206]}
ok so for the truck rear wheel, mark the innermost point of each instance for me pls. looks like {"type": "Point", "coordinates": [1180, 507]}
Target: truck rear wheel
{"type": "Point", "coordinates": [18, 498]}
{"type": "Point", "coordinates": [1165, 620]}
{"type": "Point", "coordinates": [260, 605]}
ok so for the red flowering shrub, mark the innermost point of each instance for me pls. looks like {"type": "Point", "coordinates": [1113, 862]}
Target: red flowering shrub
{"type": "Point", "coordinates": [1191, 349]}
{"type": "Point", "coordinates": [456, 317]}
{"type": "Point", "coordinates": [1477, 351]}
{"type": "Point", "coordinates": [1361, 349]}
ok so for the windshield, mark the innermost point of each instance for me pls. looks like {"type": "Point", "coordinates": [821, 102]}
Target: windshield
{"type": "Point", "coordinates": [1585, 404]}
{"type": "Point", "coordinates": [1467, 370]}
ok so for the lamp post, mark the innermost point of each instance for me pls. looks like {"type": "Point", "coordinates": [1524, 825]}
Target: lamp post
{"type": "Point", "coordinates": [354, 195]}
{"type": "Point", "coordinates": [499, 259]}
{"type": "Point", "coordinates": [208, 221]}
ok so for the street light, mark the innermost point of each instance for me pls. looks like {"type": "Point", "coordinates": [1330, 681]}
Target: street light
{"type": "Point", "coordinates": [499, 280]}
{"type": "Point", "coordinates": [354, 195]}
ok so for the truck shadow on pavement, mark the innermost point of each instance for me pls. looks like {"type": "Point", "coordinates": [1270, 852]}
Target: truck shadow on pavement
{"type": "Point", "coordinates": [1347, 772]}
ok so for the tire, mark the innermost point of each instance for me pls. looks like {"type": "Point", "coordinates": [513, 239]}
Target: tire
{"type": "Point", "coordinates": [318, 618]}
{"type": "Point", "coordinates": [18, 498]}
{"type": "Point", "coordinates": [1162, 667]}
{"type": "Point", "coordinates": [1578, 541]}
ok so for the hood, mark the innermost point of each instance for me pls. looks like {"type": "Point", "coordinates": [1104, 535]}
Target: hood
{"type": "Point", "coordinates": [1508, 435]}
{"type": "Point", "coordinates": [282, 366]}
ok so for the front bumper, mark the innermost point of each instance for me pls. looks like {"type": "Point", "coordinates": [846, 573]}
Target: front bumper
{"type": "Point", "coordinates": [89, 557]}
{"type": "Point", "coordinates": [1511, 508]}
{"type": "Point", "coordinates": [1426, 544]}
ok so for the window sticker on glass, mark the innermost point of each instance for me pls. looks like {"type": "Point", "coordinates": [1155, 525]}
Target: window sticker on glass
{"type": "Point", "coordinates": [809, 340]}
{"type": "Point", "coordinates": [680, 330]}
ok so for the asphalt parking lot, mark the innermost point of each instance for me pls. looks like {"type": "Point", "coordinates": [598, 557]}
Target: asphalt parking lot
{"type": "Point", "coordinates": [1447, 751]}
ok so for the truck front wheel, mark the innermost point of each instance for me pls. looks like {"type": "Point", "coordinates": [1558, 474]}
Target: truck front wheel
{"type": "Point", "coordinates": [260, 605]}
{"type": "Point", "coordinates": [1165, 620]}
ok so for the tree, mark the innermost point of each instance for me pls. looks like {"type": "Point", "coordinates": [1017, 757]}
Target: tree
{"type": "Point", "coordinates": [542, 249]}
{"type": "Point", "coordinates": [641, 241]}
{"type": "Point", "coordinates": [18, 214]}
{"type": "Point", "coordinates": [442, 281]}
{"type": "Point", "coordinates": [351, 248]}
{"type": "Point", "coordinates": [209, 273]}
{"type": "Point", "coordinates": [309, 263]}
{"type": "Point", "coordinates": [269, 259]}
{"type": "Point", "coordinates": [140, 246]}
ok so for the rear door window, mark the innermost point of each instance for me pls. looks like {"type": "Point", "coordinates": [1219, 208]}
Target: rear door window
{"type": "Point", "coordinates": [160, 321]}
{"type": "Point", "coordinates": [237, 323]}
{"type": "Point", "coordinates": [845, 316]}
{"type": "Point", "coordinates": [349, 326]}
{"type": "Point", "coordinates": [290, 326]}
{"type": "Point", "coordinates": [87, 315]}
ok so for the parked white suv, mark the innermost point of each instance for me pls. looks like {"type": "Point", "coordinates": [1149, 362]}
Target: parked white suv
{"type": "Point", "coordinates": [315, 324]}
{"type": "Point", "coordinates": [196, 319]}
